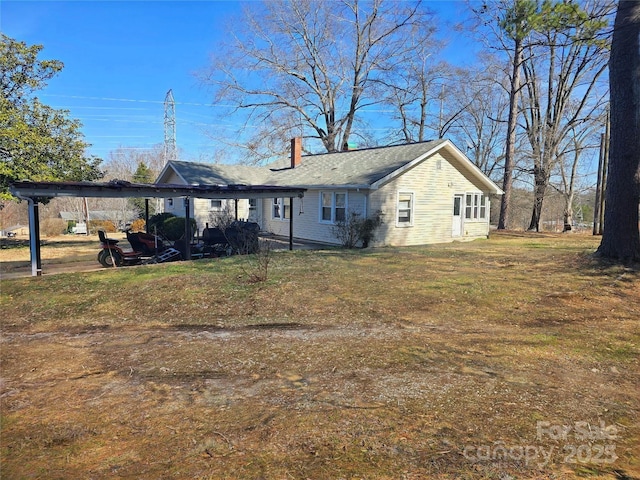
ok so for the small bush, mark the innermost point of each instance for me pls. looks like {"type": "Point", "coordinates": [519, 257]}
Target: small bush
{"type": "Point", "coordinates": [105, 225]}
{"type": "Point", "coordinates": [173, 228]}
{"type": "Point", "coordinates": [223, 218]}
{"type": "Point", "coordinates": [259, 263]}
{"type": "Point", "coordinates": [156, 222]}
{"type": "Point", "coordinates": [138, 225]}
{"type": "Point", "coordinates": [50, 227]}
{"type": "Point", "coordinates": [354, 229]}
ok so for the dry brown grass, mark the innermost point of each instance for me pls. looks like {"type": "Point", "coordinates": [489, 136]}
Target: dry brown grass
{"type": "Point", "coordinates": [389, 363]}
{"type": "Point", "coordinates": [58, 253]}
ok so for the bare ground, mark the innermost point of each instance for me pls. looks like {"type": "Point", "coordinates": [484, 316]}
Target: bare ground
{"type": "Point", "coordinates": [512, 358]}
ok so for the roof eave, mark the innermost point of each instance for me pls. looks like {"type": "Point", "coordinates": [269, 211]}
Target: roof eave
{"type": "Point", "coordinates": [399, 171]}
{"type": "Point", "coordinates": [354, 186]}
{"type": "Point", "coordinates": [474, 170]}
{"type": "Point", "coordinates": [122, 189]}
{"type": "Point", "coordinates": [165, 169]}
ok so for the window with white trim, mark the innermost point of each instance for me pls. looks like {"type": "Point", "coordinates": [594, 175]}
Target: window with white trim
{"type": "Point", "coordinates": [333, 207]}
{"type": "Point", "coordinates": [405, 209]}
{"type": "Point", "coordinates": [169, 203]}
{"type": "Point", "coordinates": [475, 206]}
{"type": "Point", "coordinates": [253, 203]}
{"type": "Point", "coordinates": [281, 208]}
{"type": "Point", "coordinates": [215, 204]}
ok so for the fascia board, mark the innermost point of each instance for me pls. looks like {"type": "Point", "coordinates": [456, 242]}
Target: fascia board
{"type": "Point", "coordinates": [399, 171]}
{"type": "Point", "coordinates": [166, 169]}
{"type": "Point", "coordinates": [473, 169]}
{"type": "Point", "coordinates": [333, 187]}
{"type": "Point", "coordinates": [464, 163]}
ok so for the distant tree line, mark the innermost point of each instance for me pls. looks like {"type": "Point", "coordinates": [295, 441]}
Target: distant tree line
{"type": "Point", "coordinates": [529, 111]}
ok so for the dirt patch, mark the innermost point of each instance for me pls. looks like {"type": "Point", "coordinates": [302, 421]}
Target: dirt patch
{"type": "Point", "coordinates": [418, 363]}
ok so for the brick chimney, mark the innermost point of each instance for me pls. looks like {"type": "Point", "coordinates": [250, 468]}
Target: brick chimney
{"type": "Point", "coordinates": [296, 151]}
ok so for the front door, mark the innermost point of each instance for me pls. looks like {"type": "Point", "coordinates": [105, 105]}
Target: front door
{"type": "Point", "coordinates": [456, 229]}
{"type": "Point", "coordinates": [255, 207]}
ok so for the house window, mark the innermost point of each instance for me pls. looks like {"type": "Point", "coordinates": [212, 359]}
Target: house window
{"type": "Point", "coordinates": [475, 206]}
{"type": "Point", "coordinates": [281, 209]}
{"type": "Point", "coordinates": [405, 209]}
{"type": "Point", "coordinates": [333, 207]}
{"type": "Point", "coordinates": [327, 204]}
{"type": "Point", "coordinates": [170, 203]}
{"type": "Point", "coordinates": [253, 203]}
{"type": "Point", "coordinates": [341, 207]}
{"type": "Point", "coordinates": [215, 204]}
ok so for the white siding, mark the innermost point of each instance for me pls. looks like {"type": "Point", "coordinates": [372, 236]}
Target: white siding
{"type": "Point", "coordinates": [307, 225]}
{"type": "Point", "coordinates": [200, 208]}
{"type": "Point", "coordinates": [204, 213]}
{"type": "Point", "coordinates": [433, 183]}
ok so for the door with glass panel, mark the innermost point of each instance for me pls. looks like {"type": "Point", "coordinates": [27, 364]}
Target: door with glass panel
{"type": "Point", "coordinates": [456, 229]}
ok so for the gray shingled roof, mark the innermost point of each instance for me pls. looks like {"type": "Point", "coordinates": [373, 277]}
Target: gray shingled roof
{"type": "Point", "coordinates": [216, 174]}
{"type": "Point", "coordinates": [355, 168]}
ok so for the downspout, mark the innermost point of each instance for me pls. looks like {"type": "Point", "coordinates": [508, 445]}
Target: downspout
{"type": "Point", "coordinates": [366, 204]}
{"type": "Point", "coordinates": [187, 228]}
{"type": "Point", "coordinates": [290, 223]}
{"type": "Point", "coordinates": [146, 215]}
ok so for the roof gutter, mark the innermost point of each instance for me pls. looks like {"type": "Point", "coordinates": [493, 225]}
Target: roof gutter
{"type": "Point", "coordinates": [363, 186]}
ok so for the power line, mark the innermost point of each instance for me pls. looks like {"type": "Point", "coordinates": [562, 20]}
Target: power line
{"type": "Point", "coordinates": [112, 99]}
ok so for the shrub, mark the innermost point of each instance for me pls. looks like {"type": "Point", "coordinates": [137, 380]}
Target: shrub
{"type": "Point", "coordinates": [138, 225]}
{"type": "Point", "coordinates": [156, 222]}
{"type": "Point", "coordinates": [106, 225]}
{"type": "Point", "coordinates": [50, 227]}
{"type": "Point", "coordinates": [173, 228]}
{"type": "Point", "coordinates": [367, 228]}
{"type": "Point", "coordinates": [259, 263]}
{"type": "Point", "coordinates": [354, 229]}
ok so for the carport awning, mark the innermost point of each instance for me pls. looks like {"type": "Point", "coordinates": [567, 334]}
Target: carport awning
{"type": "Point", "coordinates": [34, 191]}
{"type": "Point", "coordinates": [123, 189]}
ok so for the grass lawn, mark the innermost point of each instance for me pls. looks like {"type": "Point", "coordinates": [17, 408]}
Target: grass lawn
{"type": "Point", "coordinates": [514, 357]}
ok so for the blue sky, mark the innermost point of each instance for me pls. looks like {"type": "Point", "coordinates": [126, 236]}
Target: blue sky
{"type": "Point", "coordinates": [120, 59]}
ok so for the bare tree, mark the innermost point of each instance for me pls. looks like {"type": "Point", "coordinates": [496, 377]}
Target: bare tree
{"type": "Point", "coordinates": [512, 24]}
{"type": "Point", "coordinates": [122, 164]}
{"type": "Point", "coordinates": [413, 89]}
{"type": "Point", "coordinates": [312, 66]}
{"type": "Point", "coordinates": [582, 141]}
{"type": "Point", "coordinates": [478, 122]}
{"type": "Point", "coordinates": [621, 237]}
{"type": "Point", "coordinates": [557, 47]}
{"type": "Point", "coordinates": [562, 69]}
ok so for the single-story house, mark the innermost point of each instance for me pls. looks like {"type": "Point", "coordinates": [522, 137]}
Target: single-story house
{"type": "Point", "coordinates": [427, 192]}
{"type": "Point", "coordinates": [21, 230]}
{"type": "Point", "coordinates": [120, 218]}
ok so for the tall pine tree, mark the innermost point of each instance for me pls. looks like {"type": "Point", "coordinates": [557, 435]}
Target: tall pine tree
{"type": "Point", "coordinates": [621, 236]}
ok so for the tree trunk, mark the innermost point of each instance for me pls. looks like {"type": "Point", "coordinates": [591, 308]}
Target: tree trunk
{"type": "Point", "coordinates": [568, 212]}
{"type": "Point", "coordinates": [541, 183]}
{"type": "Point", "coordinates": [510, 149]}
{"type": "Point", "coordinates": [621, 236]}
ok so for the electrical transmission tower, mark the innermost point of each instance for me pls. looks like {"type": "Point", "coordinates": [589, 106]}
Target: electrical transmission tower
{"type": "Point", "coordinates": [170, 149]}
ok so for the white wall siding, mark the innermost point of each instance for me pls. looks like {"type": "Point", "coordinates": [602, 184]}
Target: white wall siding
{"type": "Point", "coordinates": [307, 225]}
{"type": "Point", "coordinates": [205, 213]}
{"type": "Point", "coordinates": [433, 183]}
